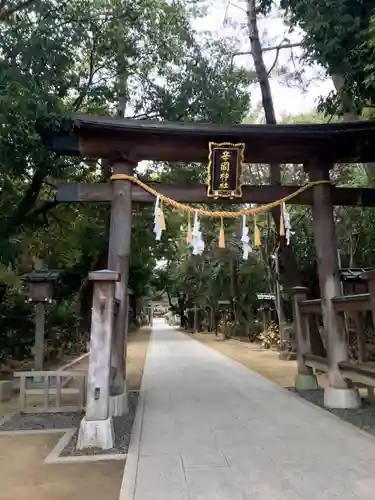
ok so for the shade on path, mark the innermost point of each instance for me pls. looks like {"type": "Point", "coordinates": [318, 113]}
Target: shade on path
{"type": "Point", "coordinates": [208, 428]}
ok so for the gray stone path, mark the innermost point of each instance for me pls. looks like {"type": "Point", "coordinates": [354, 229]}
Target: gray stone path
{"type": "Point", "coordinates": [210, 429]}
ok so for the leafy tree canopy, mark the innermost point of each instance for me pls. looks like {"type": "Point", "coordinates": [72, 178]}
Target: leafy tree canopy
{"type": "Point", "coordinates": [338, 34]}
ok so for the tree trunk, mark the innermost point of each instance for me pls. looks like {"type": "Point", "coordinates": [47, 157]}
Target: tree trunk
{"type": "Point", "coordinates": [212, 326]}
{"type": "Point", "coordinates": [122, 72]}
{"type": "Point", "coordinates": [26, 204]}
{"type": "Point", "coordinates": [260, 67]}
{"type": "Point", "coordinates": [233, 287]}
{"type": "Point", "coordinates": [196, 319]}
{"type": "Point", "coordinates": [291, 274]}
{"type": "Point", "coordinates": [181, 309]}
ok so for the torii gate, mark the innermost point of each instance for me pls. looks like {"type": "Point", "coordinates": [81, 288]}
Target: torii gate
{"type": "Point", "coordinates": [126, 142]}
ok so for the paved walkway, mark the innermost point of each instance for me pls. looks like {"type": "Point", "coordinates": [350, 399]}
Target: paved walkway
{"type": "Point", "coordinates": [210, 429]}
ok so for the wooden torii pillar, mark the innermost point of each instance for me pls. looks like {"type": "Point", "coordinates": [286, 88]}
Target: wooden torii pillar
{"type": "Point", "coordinates": [338, 394]}
{"type": "Point", "coordinates": [119, 194]}
{"type": "Point", "coordinates": [118, 260]}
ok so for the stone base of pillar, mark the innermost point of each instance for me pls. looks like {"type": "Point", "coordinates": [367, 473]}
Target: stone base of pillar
{"type": "Point", "coordinates": [306, 382]}
{"type": "Point", "coordinates": [341, 398]}
{"type": "Point", "coordinates": [119, 405]}
{"type": "Point", "coordinates": [95, 434]}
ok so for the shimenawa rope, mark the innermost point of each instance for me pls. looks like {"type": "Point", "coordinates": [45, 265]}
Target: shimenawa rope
{"type": "Point", "coordinates": [217, 213]}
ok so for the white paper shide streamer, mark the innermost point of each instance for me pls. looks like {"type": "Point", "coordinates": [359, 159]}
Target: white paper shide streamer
{"type": "Point", "coordinates": [246, 246]}
{"type": "Point", "coordinates": [157, 223]}
{"type": "Point", "coordinates": [197, 241]}
{"type": "Point", "coordinates": [287, 224]}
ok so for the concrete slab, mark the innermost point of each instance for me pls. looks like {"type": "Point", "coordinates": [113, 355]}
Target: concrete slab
{"type": "Point", "coordinates": [208, 428]}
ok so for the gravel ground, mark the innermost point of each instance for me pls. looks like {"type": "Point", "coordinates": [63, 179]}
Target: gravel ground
{"type": "Point", "coordinates": [364, 417]}
{"type": "Point", "coordinates": [122, 427]}
{"type": "Point", "coordinates": [38, 421]}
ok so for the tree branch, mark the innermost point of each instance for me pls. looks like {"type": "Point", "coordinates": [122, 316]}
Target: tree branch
{"type": "Point", "coordinates": [144, 116]}
{"type": "Point", "coordinates": [238, 7]}
{"type": "Point", "coordinates": [274, 62]}
{"type": "Point", "coordinates": [78, 102]}
{"type": "Point", "coordinates": [48, 205]}
{"type": "Point", "coordinates": [26, 204]}
{"type": "Point", "coordinates": [279, 47]}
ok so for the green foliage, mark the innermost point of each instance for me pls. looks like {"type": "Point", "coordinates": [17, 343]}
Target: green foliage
{"type": "Point", "coordinates": [64, 332]}
{"type": "Point", "coordinates": [141, 58]}
{"type": "Point", "coordinates": [16, 325]}
{"type": "Point", "coordinates": [226, 327]}
{"type": "Point", "coordinates": [223, 275]}
{"type": "Point", "coordinates": [338, 34]}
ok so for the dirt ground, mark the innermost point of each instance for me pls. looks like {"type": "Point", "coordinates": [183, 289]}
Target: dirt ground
{"type": "Point", "coordinates": [137, 351]}
{"type": "Point", "coordinates": [24, 476]}
{"type": "Point", "coordinates": [263, 361]}
{"type": "Point", "coordinates": [266, 362]}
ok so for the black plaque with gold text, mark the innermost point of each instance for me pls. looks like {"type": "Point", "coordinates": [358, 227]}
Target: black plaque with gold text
{"type": "Point", "coordinates": [225, 170]}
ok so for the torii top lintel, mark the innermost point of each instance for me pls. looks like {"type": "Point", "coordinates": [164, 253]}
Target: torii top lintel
{"type": "Point", "coordinates": [109, 137]}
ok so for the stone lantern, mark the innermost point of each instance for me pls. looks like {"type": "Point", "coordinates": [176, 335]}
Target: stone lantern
{"type": "Point", "coordinates": [150, 313]}
{"type": "Point", "coordinates": [40, 286]}
{"type": "Point", "coordinates": [225, 307]}
{"type": "Point", "coordinates": [268, 303]}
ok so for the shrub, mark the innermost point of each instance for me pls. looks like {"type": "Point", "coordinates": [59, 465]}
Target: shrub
{"type": "Point", "coordinates": [16, 326]}
{"type": "Point", "coordinates": [64, 333]}
{"type": "Point", "coordinates": [271, 337]}
{"type": "Point", "coordinates": [229, 327]}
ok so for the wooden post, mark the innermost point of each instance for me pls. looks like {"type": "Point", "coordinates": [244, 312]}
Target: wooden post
{"type": "Point", "coordinates": [264, 318]}
{"type": "Point", "coordinates": [283, 348]}
{"type": "Point", "coordinates": [316, 341]}
{"type": "Point", "coordinates": [39, 336]}
{"type": "Point", "coordinates": [370, 277]}
{"type": "Point", "coordinates": [118, 260]}
{"type": "Point", "coordinates": [362, 346]}
{"type": "Point", "coordinates": [96, 429]}
{"type": "Point", "coordinates": [337, 394]}
{"type": "Point", "coordinates": [151, 314]}
{"type": "Point", "coordinates": [195, 318]}
{"type": "Point", "coordinates": [361, 337]}
{"type": "Point", "coordinates": [226, 324]}
{"type": "Point", "coordinates": [305, 378]}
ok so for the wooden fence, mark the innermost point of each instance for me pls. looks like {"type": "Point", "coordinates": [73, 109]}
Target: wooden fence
{"type": "Point", "coordinates": [51, 391]}
{"type": "Point", "coordinates": [354, 307]}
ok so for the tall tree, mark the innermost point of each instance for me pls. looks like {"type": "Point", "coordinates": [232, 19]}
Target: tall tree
{"type": "Point", "coordinates": [59, 57]}
{"type": "Point", "coordinates": [291, 275]}
{"type": "Point", "coordinates": [63, 57]}
{"type": "Point", "coordinates": [338, 34]}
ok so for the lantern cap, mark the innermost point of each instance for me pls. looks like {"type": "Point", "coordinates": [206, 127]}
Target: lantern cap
{"type": "Point", "coordinates": [41, 275]}
{"type": "Point", "coordinates": [224, 305]}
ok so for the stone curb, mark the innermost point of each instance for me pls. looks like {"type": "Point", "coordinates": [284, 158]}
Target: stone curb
{"type": "Point", "coordinates": [129, 478]}
{"type": "Point", "coordinates": [74, 362]}
{"type": "Point", "coordinates": [54, 456]}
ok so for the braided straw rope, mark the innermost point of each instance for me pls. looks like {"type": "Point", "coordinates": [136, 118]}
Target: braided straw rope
{"type": "Point", "coordinates": [209, 213]}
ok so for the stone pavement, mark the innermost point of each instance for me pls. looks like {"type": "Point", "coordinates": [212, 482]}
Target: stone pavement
{"type": "Point", "coordinates": [208, 428]}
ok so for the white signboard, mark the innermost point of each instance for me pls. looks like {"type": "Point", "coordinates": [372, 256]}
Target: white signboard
{"type": "Point", "coordinates": [266, 296]}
